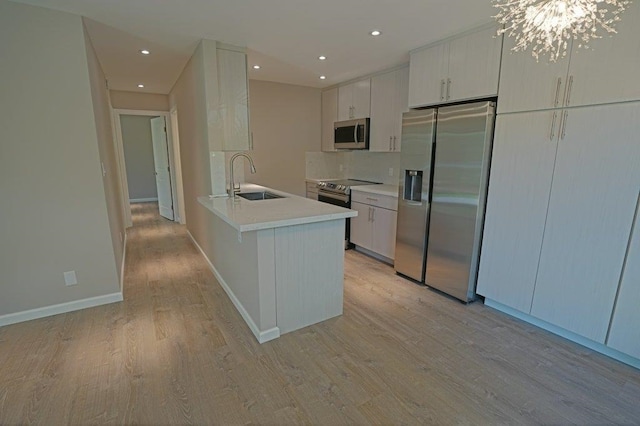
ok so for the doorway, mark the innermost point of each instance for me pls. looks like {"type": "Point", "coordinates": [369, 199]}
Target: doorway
{"type": "Point", "coordinates": [149, 154]}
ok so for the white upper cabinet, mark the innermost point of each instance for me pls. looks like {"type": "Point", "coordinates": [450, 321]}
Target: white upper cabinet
{"type": "Point", "coordinates": [593, 199]}
{"type": "Point", "coordinates": [389, 93]}
{"type": "Point", "coordinates": [604, 73]}
{"type": "Point", "coordinates": [228, 101]}
{"type": "Point", "coordinates": [522, 163]}
{"type": "Point", "coordinates": [428, 70]}
{"type": "Point", "coordinates": [464, 68]}
{"type": "Point", "coordinates": [625, 332]}
{"type": "Point", "coordinates": [329, 117]}
{"type": "Point", "coordinates": [354, 100]}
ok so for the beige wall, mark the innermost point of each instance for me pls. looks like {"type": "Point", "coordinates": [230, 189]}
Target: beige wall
{"type": "Point", "coordinates": [139, 101]}
{"type": "Point", "coordinates": [53, 209]}
{"type": "Point", "coordinates": [285, 121]}
{"type": "Point", "coordinates": [106, 149]}
{"type": "Point", "coordinates": [188, 98]}
{"type": "Point", "coordinates": [138, 156]}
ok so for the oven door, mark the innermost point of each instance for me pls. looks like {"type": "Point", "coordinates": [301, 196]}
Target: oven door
{"type": "Point", "coordinates": [340, 200]}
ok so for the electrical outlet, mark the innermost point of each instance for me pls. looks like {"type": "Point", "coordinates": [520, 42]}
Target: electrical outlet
{"type": "Point", "coordinates": [390, 171]}
{"type": "Point", "coordinates": [70, 278]}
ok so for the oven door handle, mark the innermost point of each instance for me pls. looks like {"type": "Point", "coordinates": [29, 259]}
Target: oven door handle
{"type": "Point", "coordinates": [333, 195]}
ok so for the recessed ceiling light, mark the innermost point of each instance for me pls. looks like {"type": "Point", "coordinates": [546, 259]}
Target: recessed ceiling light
{"type": "Point", "coordinates": [322, 77]}
{"type": "Point", "coordinates": [145, 52]}
{"type": "Point", "coordinates": [375, 33]}
{"type": "Point", "coordinates": [256, 67]}
{"type": "Point", "coordinates": [322, 57]}
{"type": "Point", "coordinates": [141, 85]}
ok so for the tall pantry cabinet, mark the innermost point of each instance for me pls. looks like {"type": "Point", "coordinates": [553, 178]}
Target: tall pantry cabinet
{"type": "Point", "coordinates": [564, 191]}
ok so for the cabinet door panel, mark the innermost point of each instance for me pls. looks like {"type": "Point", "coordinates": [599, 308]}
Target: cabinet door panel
{"type": "Point", "coordinates": [384, 232]}
{"type": "Point", "coordinates": [383, 89]}
{"type": "Point", "coordinates": [401, 104]}
{"type": "Point", "coordinates": [345, 102]}
{"type": "Point", "coordinates": [591, 209]}
{"type": "Point", "coordinates": [427, 68]}
{"type": "Point", "coordinates": [625, 333]}
{"type": "Point", "coordinates": [362, 98]}
{"type": "Point", "coordinates": [608, 71]}
{"type": "Point", "coordinates": [474, 65]}
{"type": "Point", "coordinates": [519, 187]}
{"type": "Point", "coordinates": [233, 106]}
{"type": "Point", "coordinates": [329, 117]}
{"type": "Point", "coordinates": [361, 226]}
{"type": "Point", "coordinates": [527, 85]}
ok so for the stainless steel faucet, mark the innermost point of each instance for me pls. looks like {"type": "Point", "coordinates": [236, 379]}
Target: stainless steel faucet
{"type": "Point", "coordinates": [232, 186]}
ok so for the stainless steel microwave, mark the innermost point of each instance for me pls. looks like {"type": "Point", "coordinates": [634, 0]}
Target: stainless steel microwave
{"type": "Point", "coordinates": [351, 134]}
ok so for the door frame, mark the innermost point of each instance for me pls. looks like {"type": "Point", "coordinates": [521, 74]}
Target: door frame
{"type": "Point", "coordinates": [174, 162]}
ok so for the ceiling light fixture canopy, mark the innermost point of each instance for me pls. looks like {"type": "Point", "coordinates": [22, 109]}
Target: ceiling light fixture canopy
{"type": "Point", "coordinates": [547, 26]}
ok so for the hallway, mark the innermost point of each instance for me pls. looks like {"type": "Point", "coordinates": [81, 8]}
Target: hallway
{"type": "Point", "coordinates": [177, 352]}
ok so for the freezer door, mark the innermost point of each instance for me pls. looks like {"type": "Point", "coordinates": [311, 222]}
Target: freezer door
{"type": "Point", "coordinates": [462, 153]}
{"type": "Point", "coordinates": [413, 197]}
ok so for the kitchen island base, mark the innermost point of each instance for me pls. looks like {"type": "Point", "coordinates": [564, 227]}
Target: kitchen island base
{"type": "Point", "coordinates": [279, 279]}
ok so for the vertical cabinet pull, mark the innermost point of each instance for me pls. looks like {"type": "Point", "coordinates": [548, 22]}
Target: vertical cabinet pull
{"type": "Point", "coordinates": [390, 141]}
{"type": "Point", "coordinates": [558, 84]}
{"type": "Point", "coordinates": [394, 143]}
{"type": "Point", "coordinates": [448, 88]}
{"type": "Point", "coordinates": [369, 218]}
{"type": "Point", "coordinates": [564, 124]}
{"type": "Point", "coordinates": [569, 87]}
{"type": "Point", "coordinates": [553, 125]}
{"type": "Point", "coordinates": [442, 89]}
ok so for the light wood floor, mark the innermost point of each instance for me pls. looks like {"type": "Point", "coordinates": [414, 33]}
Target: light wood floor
{"type": "Point", "coordinates": [177, 352]}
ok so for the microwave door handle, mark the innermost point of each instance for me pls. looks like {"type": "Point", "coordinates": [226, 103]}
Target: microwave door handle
{"type": "Point", "coordinates": [355, 133]}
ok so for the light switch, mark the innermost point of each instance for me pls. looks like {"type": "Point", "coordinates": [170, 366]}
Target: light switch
{"type": "Point", "coordinates": [70, 278]}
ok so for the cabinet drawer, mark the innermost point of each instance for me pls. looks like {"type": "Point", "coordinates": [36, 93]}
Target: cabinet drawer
{"type": "Point", "coordinates": [376, 200]}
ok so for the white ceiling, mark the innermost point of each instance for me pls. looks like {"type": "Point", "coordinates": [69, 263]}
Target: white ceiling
{"type": "Point", "coordinates": [284, 37]}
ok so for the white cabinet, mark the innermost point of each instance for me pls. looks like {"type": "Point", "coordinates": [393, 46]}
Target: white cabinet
{"type": "Point", "coordinates": [519, 186]}
{"type": "Point", "coordinates": [561, 202]}
{"type": "Point", "coordinates": [625, 332]}
{"type": "Point", "coordinates": [354, 100]}
{"type": "Point", "coordinates": [312, 190]}
{"type": "Point", "coordinates": [329, 117]}
{"type": "Point", "coordinates": [604, 73]}
{"type": "Point", "coordinates": [389, 94]}
{"type": "Point", "coordinates": [229, 110]}
{"type": "Point", "coordinates": [466, 67]}
{"type": "Point", "coordinates": [375, 226]}
{"type": "Point", "coordinates": [593, 200]}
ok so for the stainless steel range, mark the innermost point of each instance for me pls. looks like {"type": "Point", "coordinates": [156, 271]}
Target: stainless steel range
{"type": "Point", "coordinates": [338, 193]}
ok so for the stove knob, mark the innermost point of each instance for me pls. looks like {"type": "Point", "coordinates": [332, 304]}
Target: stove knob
{"type": "Point", "coordinates": [341, 187]}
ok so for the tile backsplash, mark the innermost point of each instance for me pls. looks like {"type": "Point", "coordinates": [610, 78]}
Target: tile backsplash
{"type": "Point", "coordinates": [364, 165]}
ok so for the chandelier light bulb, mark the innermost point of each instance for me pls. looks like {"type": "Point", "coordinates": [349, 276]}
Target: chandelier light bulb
{"type": "Point", "coordinates": [548, 26]}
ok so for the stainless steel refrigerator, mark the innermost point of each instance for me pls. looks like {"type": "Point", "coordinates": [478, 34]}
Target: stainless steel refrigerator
{"type": "Point", "coordinates": [445, 155]}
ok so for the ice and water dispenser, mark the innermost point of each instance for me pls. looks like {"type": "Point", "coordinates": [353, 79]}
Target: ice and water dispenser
{"type": "Point", "coordinates": [413, 185]}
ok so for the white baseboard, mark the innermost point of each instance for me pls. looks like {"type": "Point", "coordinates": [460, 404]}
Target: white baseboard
{"type": "Point", "coordinates": [262, 336]}
{"type": "Point", "coordinates": [61, 308]}
{"type": "Point", "coordinates": [142, 200]}
{"type": "Point", "coordinates": [576, 338]}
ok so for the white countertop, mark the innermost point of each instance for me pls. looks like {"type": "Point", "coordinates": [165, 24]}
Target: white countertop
{"type": "Point", "coordinates": [245, 215]}
{"type": "Point", "coordinates": [389, 190]}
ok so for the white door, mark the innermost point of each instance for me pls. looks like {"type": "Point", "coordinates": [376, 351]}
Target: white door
{"type": "Point", "coordinates": [161, 162]}
{"type": "Point", "coordinates": [591, 209]}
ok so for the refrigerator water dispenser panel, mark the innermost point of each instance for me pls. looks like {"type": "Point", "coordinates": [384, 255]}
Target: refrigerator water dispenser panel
{"type": "Point", "coordinates": [413, 185]}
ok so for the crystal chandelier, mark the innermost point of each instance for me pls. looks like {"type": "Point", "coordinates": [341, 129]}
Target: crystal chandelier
{"type": "Point", "coordinates": [546, 26]}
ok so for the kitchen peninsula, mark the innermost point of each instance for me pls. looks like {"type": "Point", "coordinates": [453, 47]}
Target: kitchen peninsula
{"type": "Point", "coordinates": [280, 261]}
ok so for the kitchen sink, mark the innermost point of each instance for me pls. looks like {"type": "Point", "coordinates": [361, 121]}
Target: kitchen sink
{"type": "Point", "coordinates": [263, 195]}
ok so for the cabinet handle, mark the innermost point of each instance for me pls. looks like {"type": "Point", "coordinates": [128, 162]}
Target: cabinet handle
{"type": "Point", "coordinates": [394, 143]}
{"type": "Point", "coordinates": [553, 125]}
{"type": "Point", "coordinates": [448, 88]}
{"type": "Point", "coordinates": [558, 84]}
{"type": "Point", "coordinates": [564, 124]}
{"type": "Point", "coordinates": [372, 199]}
{"type": "Point", "coordinates": [442, 89]}
{"type": "Point", "coordinates": [390, 140]}
{"type": "Point", "coordinates": [569, 87]}
{"type": "Point", "coordinates": [373, 214]}
{"type": "Point", "coordinates": [369, 217]}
